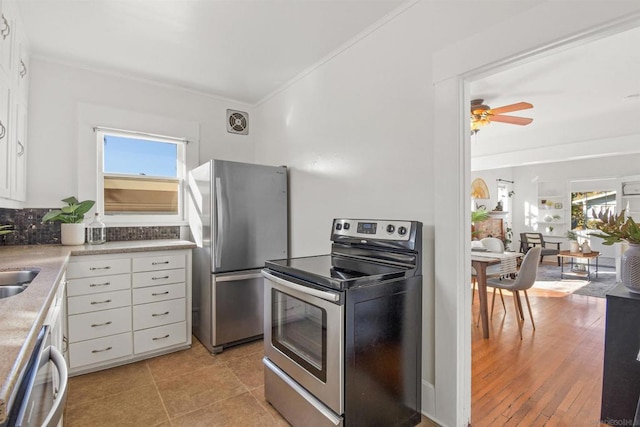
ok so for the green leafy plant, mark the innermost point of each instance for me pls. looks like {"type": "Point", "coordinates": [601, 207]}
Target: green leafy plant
{"type": "Point", "coordinates": [73, 213]}
{"type": "Point", "coordinates": [479, 215]}
{"type": "Point", "coordinates": [614, 228]}
{"type": "Point", "coordinates": [572, 235]}
{"type": "Point", "coordinates": [6, 229]}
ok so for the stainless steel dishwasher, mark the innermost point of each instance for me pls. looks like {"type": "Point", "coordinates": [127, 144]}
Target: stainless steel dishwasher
{"type": "Point", "coordinates": [40, 396]}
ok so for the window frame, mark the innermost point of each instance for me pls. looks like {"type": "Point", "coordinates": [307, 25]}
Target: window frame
{"type": "Point", "coordinates": [141, 219]}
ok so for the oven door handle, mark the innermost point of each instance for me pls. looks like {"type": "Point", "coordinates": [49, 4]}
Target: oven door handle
{"type": "Point", "coordinates": [329, 296]}
{"type": "Point", "coordinates": [55, 414]}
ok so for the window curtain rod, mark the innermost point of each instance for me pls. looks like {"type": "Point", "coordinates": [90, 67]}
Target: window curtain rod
{"type": "Point", "coordinates": [504, 180]}
{"type": "Point", "coordinates": [132, 132]}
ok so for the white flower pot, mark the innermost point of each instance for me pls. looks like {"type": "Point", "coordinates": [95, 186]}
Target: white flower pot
{"type": "Point", "coordinates": [72, 234]}
{"type": "Point", "coordinates": [574, 247]}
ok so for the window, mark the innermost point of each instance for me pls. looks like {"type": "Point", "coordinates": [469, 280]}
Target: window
{"type": "Point", "coordinates": [140, 177]}
{"type": "Point", "coordinates": [584, 203]}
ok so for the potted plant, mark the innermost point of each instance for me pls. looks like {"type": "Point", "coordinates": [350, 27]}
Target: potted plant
{"type": "Point", "coordinates": [71, 216]}
{"type": "Point", "coordinates": [574, 247]}
{"type": "Point", "coordinates": [613, 229]}
{"type": "Point", "coordinates": [478, 215]}
{"type": "Point", "coordinates": [6, 229]}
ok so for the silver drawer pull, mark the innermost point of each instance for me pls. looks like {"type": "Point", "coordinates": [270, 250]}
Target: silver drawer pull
{"type": "Point", "coordinates": [159, 314]}
{"type": "Point", "coordinates": [155, 294]}
{"type": "Point", "coordinates": [93, 285]}
{"type": "Point", "coordinates": [100, 302]}
{"type": "Point", "coordinates": [95, 325]}
{"type": "Point", "coordinates": [160, 263]}
{"type": "Point", "coordinates": [160, 278]}
{"type": "Point", "coordinates": [160, 338]}
{"type": "Point", "coordinates": [100, 351]}
{"type": "Point", "coordinates": [108, 267]}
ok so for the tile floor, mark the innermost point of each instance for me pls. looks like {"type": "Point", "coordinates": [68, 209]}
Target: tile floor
{"type": "Point", "coordinates": [187, 388]}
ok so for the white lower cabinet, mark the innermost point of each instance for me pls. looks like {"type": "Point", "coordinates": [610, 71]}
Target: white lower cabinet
{"type": "Point", "coordinates": [127, 307]}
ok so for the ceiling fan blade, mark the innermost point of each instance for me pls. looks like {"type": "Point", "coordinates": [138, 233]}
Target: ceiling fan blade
{"type": "Point", "coordinates": [522, 121]}
{"type": "Point", "coordinates": [512, 107]}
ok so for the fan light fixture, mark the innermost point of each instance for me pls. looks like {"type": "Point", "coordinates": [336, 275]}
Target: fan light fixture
{"type": "Point", "coordinates": [482, 115]}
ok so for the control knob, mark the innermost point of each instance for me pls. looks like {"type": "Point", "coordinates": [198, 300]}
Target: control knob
{"type": "Point", "coordinates": [346, 226]}
{"type": "Point", "coordinates": [390, 228]}
{"type": "Point", "coordinates": [338, 226]}
{"type": "Point", "coordinates": [402, 231]}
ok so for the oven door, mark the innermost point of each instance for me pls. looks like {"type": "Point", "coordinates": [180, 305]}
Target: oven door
{"type": "Point", "coordinates": [304, 337]}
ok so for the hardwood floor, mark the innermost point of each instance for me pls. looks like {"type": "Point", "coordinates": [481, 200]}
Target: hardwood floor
{"type": "Point", "coordinates": [553, 376]}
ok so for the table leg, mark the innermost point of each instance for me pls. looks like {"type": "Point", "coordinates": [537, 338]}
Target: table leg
{"type": "Point", "coordinates": [597, 266]}
{"type": "Point", "coordinates": [481, 277]}
{"type": "Point", "coordinates": [562, 269]}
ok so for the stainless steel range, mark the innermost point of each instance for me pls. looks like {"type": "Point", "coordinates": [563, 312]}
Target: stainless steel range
{"type": "Point", "coordinates": [342, 331]}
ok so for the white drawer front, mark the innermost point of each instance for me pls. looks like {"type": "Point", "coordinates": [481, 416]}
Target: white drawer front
{"type": "Point", "coordinates": [158, 293]}
{"type": "Point", "coordinates": [99, 324]}
{"type": "Point", "coordinates": [94, 285]}
{"type": "Point", "coordinates": [97, 302]}
{"type": "Point", "coordinates": [158, 313]}
{"type": "Point", "coordinates": [154, 278]}
{"type": "Point", "coordinates": [100, 350]}
{"type": "Point", "coordinates": [160, 337]}
{"type": "Point", "coordinates": [98, 267]}
{"type": "Point", "coordinates": [165, 262]}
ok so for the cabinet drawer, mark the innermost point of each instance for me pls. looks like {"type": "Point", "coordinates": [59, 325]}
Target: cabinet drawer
{"type": "Point", "coordinates": [158, 293]}
{"type": "Point", "coordinates": [99, 324]}
{"type": "Point", "coordinates": [161, 337]}
{"type": "Point", "coordinates": [165, 262]}
{"type": "Point", "coordinates": [97, 302]}
{"type": "Point", "coordinates": [158, 313]}
{"type": "Point", "coordinates": [92, 268]}
{"type": "Point", "coordinates": [153, 278]}
{"type": "Point", "coordinates": [100, 350]}
{"type": "Point", "coordinates": [94, 285]}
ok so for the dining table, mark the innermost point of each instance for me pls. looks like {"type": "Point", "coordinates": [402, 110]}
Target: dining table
{"type": "Point", "coordinates": [480, 261]}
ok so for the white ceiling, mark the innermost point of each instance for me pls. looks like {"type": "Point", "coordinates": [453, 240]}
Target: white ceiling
{"type": "Point", "coordinates": [236, 49]}
{"type": "Point", "coordinates": [580, 94]}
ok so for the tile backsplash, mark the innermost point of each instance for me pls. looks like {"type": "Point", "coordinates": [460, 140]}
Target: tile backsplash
{"type": "Point", "coordinates": [29, 229]}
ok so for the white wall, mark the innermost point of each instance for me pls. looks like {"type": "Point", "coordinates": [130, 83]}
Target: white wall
{"type": "Point", "coordinates": [56, 92]}
{"type": "Point", "coordinates": [357, 136]}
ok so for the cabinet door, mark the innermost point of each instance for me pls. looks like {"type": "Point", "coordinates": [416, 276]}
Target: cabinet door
{"type": "Point", "coordinates": [5, 146]}
{"type": "Point", "coordinates": [7, 29]}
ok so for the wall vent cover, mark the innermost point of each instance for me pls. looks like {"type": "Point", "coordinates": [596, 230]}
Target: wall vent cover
{"type": "Point", "coordinates": [237, 122]}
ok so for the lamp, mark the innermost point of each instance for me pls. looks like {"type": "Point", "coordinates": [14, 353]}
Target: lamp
{"type": "Point", "coordinates": [479, 118]}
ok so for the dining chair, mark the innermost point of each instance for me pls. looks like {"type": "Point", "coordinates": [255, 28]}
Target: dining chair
{"type": "Point", "coordinates": [492, 244]}
{"type": "Point", "coordinates": [524, 280]}
{"type": "Point", "coordinates": [530, 240]}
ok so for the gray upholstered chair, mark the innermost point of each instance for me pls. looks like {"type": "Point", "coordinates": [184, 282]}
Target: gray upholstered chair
{"type": "Point", "coordinates": [524, 280]}
{"type": "Point", "coordinates": [491, 244]}
{"type": "Point", "coordinates": [529, 240]}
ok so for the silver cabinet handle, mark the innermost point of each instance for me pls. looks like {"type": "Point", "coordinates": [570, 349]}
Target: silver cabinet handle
{"type": "Point", "coordinates": [160, 278]}
{"type": "Point", "coordinates": [23, 69]}
{"type": "Point", "coordinates": [93, 285]}
{"type": "Point", "coordinates": [21, 152]}
{"type": "Point", "coordinates": [101, 302]}
{"type": "Point", "coordinates": [100, 351]}
{"type": "Point", "coordinates": [6, 28]}
{"type": "Point", "coordinates": [100, 268]}
{"type": "Point", "coordinates": [3, 130]}
{"type": "Point", "coordinates": [95, 325]}
{"type": "Point", "coordinates": [160, 263]}
{"type": "Point", "coordinates": [159, 314]}
{"type": "Point", "coordinates": [161, 338]}
{"type": "Point", "coordinates": [155, 294]}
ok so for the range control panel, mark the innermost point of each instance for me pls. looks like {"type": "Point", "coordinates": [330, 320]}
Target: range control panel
{"type": "Point", "coordinates": [372, 229]}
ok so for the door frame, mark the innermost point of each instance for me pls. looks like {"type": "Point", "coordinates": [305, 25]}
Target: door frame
{"type": "Point", "coordinates": [567, 24]}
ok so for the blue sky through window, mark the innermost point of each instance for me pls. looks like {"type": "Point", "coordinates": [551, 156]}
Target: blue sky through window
{"type": "Point", "coordinates": [140, 157]}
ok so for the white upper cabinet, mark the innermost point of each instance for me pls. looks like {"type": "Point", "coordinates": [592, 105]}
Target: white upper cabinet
{"type": "Point", "coordinates": [14, 91]}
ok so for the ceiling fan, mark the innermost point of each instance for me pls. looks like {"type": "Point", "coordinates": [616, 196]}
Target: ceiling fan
{"type": "Point", "coordinates": [482, 115]}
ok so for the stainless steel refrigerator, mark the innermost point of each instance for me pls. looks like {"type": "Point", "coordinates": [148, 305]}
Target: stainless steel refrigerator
{"type": "Point", "coordinates": [238, 215]}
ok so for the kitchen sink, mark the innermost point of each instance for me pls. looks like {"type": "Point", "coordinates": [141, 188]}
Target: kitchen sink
{"type": "Point", "coordinates": [15, 281]}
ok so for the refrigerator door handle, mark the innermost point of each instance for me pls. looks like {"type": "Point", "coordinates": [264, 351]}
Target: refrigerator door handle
{"type": "Point", "coordinates": [218, 223]}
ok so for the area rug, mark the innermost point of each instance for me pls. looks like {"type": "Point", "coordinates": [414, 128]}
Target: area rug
{"type": "Point", "coordinates": [548, 277]}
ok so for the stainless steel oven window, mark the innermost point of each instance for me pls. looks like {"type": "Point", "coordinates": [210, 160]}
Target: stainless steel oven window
{"type": "Point", "coordinates": [299, 330]}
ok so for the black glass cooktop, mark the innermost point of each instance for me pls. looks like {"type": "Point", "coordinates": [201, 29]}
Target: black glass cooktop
{"type": "Point", "coordinates": [336, 272]}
